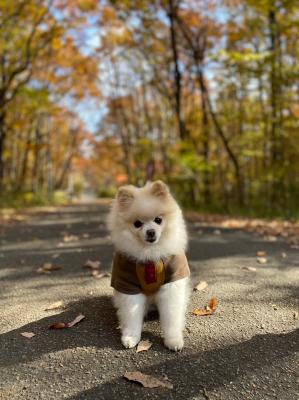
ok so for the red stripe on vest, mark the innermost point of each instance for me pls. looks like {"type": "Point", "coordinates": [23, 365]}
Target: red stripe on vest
{"type": "Point", "coordinates": [150, 273]}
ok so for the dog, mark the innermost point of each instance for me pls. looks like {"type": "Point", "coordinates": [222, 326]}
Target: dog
{"type": "Point", "coordinates": [150, 266]}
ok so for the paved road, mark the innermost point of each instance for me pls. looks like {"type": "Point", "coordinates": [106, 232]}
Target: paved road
{"type": "Point", "coordinates": [246, 350]}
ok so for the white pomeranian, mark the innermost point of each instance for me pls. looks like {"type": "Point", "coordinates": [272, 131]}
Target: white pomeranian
{"type": "Point", "coordinates": [149, 266]}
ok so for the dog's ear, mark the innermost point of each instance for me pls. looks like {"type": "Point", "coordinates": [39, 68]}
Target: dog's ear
{"type": "Point", "coordinates": [159, 189]}
{"type": "Point", "coordinates": [125, 196]}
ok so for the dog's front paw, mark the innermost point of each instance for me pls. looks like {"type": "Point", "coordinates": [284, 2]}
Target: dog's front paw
{"type": "Point", "coordinates": [130, 341]}
{"type": "Point", "coordinates": [174, 343]}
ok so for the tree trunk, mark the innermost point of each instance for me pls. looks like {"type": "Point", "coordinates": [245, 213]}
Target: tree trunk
{"type": "Point", "coordinates": [67, 162]}
{"type": "Point", "coordinates": [274, 104]}
{"type": "Point", "coordinates": [219, 131]}
{"type": "Point", "coordinates": [24, 167]}
{"type": "Point", "coordinates": [177, 73]}
{"type": "Point", "coordinates": [2, 147]}
{"type": "Point", "coordinates": [205, 133]}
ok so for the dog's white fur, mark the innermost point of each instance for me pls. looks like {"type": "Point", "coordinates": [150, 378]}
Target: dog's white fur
{"type": "Point", "coordinates": [146, 203]}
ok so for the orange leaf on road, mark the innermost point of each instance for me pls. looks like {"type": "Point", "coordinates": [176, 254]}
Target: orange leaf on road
{"type": "Point", "coordinates": [208, 310]}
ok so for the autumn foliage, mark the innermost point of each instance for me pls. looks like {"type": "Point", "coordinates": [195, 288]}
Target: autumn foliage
{"type": "Point", "coordinates": [203, 94]}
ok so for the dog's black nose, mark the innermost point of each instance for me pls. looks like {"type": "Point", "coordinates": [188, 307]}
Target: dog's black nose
{"type": "Point", "coordinates": [151, 233]}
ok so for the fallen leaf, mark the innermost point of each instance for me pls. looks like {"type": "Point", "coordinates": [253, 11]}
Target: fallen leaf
{"type": "Point", "coordinates": [76, 320]}
{"type": "Point", "coordinates": [208, 310]}
{"type": "Point", "coordinates": [217, 232]}
{"type": "Point", "coordinates": [202, 312]}
{"type": "Point", "coordinates": [48, 268]}
{"type": "Point", "coordinates": [147, 381]}
{"type": "Point", "coordinates": [249, 269]}
{"type": "Point", "coordinates": [98, 275]}
{"type": "Point", "coordinates": [201, 285]}
{"type": "Point", "coordinates": [270, 238]}
{"type": "Point", "coordinates": [261, 253]}
{"type": "Point", "coordinates": [262, 260]}
{"type": "Point", "coordinates": [58, 325]}
{"type": "Point", "coordinates": [28, 335]}
{"type": "Point", "coordinates": [144, 345]}
{"type": "Point", "coordinates": [70, 238]}
{"type": "Point", "coordinates": [213, 303]}
{"type": "Point", "coordinates": [86, 235]}
{"type": "Point", "coordinates": [64, 325]}
{"type": "Point", "coordinates": [54, 306]}
{"type": "Point", "coordinates": [92, 264]}
{"type": "Point", "coordinates": [283, 255]}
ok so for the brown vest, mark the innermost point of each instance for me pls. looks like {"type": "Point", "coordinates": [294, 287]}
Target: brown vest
{"type": "Point", "coordinates": [132, 277]}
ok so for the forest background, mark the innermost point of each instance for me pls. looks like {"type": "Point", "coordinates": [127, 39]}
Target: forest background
{"type": "Point", "coordinates": [202, 94]}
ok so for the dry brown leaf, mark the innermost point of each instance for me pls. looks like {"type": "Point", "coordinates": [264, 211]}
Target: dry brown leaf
{"type": "Point", "coordinates": [98, 275]}
{"type": "Point", "coordinates": [201, 285]}
{"type": "Point", "coordinates": [283, 255]}
{"type": "Point", "coordinates": [208, 310]}
{"type": "Point", "coordinates": [147, 381]}
{"type": "Point", "coordinates": [249, 269]}
{"type": "Point", "coordinates": [202, 312]}
{"type": "Point", "coordinates": [76, 320]}
{"type": "Point", "coordinates": [28, 335]}
{"type": "Point", "coordinates": [92, 264]}
{"type": "Point", "coordinates": [144, 345]}
{"type": "Point", "coordinates": [64, 325]}
{"type": "Point", "coordinates": [58, 325]}
{"type": "Point", "coordinates": [261, 253]}
{"type": "Point", "coordinates": [54, 306]}
{"type": "Point", "coordinates": [47, 268]}
{"type": "Point", "coordinates": [70, 238]}
{"type": "Point", "coordinates": [262, 260]}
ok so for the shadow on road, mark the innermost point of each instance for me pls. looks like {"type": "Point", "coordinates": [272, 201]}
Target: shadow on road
{"type": "Point", "coordinates": [99, 329]}
{"type": "Point", "coordinates": [209, 370]}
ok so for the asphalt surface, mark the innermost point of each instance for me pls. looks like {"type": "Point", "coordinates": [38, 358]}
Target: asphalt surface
{"type": "Point", "coordinates": [247, 350]}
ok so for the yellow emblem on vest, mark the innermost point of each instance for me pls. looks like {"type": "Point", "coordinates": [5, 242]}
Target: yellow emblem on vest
{"type": "Point", "coordinates": [151, 276]}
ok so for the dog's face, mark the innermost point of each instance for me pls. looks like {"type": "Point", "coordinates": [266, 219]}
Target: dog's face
{"type": "Point", "coordinates": [145, 211]}
{"type": "Point", "coordinates": [149, 231]}
{"type": "Point", "coordinates": [146, 223]}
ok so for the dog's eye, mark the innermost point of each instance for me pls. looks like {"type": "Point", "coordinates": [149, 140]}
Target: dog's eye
{"type": "Point", "coordinates": [158, 220]}
{"type": "Point", "coordinates": [138, 224]}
